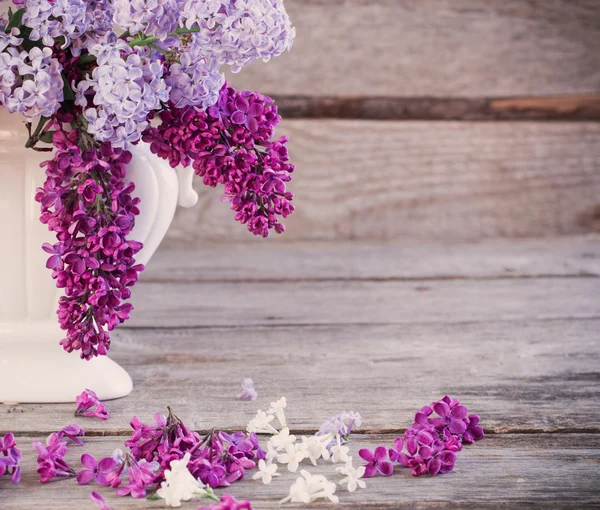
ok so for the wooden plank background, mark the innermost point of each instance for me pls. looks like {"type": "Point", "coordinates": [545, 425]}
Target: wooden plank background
{"type": "Point", "coordinates": [431, 120]}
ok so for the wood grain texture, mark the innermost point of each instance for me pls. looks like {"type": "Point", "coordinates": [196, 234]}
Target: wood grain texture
{"type": "Point", "coordinates": [446, 181]}
{"type": "Point", "coordinates": [527, 375]}
{"type": "Point", "coordinates": [440, 48]}
{"type": "Point", "coordinates": [362, 302]}
{"type": "Point", "coordinates": [569, 107]}
{"type": "Point", "coordinates": [547, 471]}
{"type": "Point", "coordinates": [264, 261]}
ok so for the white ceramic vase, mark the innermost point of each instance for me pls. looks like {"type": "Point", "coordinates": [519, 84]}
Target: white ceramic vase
{"type": "Point", "coordinates": [33, 366]}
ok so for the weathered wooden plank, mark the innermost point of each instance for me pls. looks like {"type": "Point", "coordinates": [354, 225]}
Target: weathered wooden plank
{"type": "Point", "coordinates": [519, 375]}
{"type": "Point", "coordinates": [444, 181]}
{"type": "Point", "coordinates": [435, 48]}
{"type": "Point", "coordinates": [238, 304]}
{"type": "Point", "coordinates": [567, 107]}
{"type": "Point", "coordinates": [263, 261]}
{"type": "Point", "coordinates": [550, 471]}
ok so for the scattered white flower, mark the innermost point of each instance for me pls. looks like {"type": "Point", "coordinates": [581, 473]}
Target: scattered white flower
{"type": "Point", "coordinates": [277, 409]}
{"type": "Point", "coordinates": [309, 488]}
{"type": "Point", "coordinates": [315, 447]}
{"type": "Point", "coordinates": [266, 472]}
{"type": "Point", "coordinates": [261, 424]}
{"type": "Point", "coordinates": [292, 457]}
{"type": "Point", "coordinates": [180, 485]}
{"type": "Point", "coordinates": [339, 452]}
{"type": "Point", "coordinates": [271, 454]}
{"type": "Point", "coordinates": [283, 439]}
{"type": "Point", "coordinates": [353, 475]}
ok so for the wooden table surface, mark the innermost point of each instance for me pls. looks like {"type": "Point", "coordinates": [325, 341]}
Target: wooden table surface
{"type": "Point", "coordinates": [512, 328]}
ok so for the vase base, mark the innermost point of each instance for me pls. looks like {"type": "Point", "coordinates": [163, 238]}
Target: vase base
{"type": "Point", "coordinates": [41, 372]}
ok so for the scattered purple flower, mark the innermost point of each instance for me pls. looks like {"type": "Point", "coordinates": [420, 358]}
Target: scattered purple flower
{"type": "Point", "coordinates": [376, 462]}
{"type": "Point", "coordinates": [88, 400]}
{"type": "Point", "coordinates": [11, 456]}
{"type": "Point", "coordinates": [248, 391]}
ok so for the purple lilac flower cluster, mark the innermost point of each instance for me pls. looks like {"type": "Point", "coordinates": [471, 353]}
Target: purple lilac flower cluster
{"type": "Point", "coordinates": [88, 404]}
{"type": "Point", "coordinates": [430, 445]}
{"type": "Point", "coordinates": [231, 144]}
{"type": "Point", "coordinates": [51, 454]}
{"type": "Point", "coordinates": [88, 204]}
{"type": "Point", "coordinates": [11, 456]}
{"type": "Point", "coordinates": [217, 460]}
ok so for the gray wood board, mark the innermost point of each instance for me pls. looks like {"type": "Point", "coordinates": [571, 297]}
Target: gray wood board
{"type": "Point", "coordinates": [425, 181]}
{"type": "Point", "coordinates": [236, 304]}
{"type": "Point", "coordinates": [261, 261]}
{"type": "Point", "coordinates": [437, 48]}
{"type": "Point", "coordinates": [545, 471]}
{"type": "Point", "coordinates": [519, 375]}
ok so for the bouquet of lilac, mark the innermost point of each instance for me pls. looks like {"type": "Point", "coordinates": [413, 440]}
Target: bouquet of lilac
{"type": "Point", "coordinates": [90, 77]}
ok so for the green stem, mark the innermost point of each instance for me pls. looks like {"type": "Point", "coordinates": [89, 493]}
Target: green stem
{"type": "Point", "coordinates": [145, 41]}
{"type": "Point", "coordinates": [35, 137]}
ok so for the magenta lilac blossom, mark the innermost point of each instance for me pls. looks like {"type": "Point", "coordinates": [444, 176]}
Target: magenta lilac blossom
{"type": "Point", "coordinates": [99, 500]}
{"type": "Point", "coordinates": [232, 144]}
{"type": "Point", "coordinates": [377, 462]}
{"type": "Point", "coordinates": [228, 502]}
{"type": "Point", "coordinates": [51, 462]}
{"type": "Point", "coordinates": [89, 405]}
{"type": "Point", "coordinates": [89, 205]}
{"type": "Point", "coordinates": [11, 456]}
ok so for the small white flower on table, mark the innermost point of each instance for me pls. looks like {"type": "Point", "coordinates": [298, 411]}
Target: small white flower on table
{"type": "Point", "coordinates": [261, 424]}
{"type": "Point", "coordinates": [282, 440]}
{"type": "Point", "coordinates": [180, 485]}
{"type": "Point", "coordinates": [339, 452]}
{"type": "Point", "coordinates": [266, 472]}
{"type": "Point", "coordinates": [292, 457]}
{"type": "Point", "coordinates": [277, 409]}
{"type": "Point", "coordinates": [309, 488]}
{"type": "Point", "coordinates": [315, 447]}
{"type": "Point", "coordinates": [353, 476]}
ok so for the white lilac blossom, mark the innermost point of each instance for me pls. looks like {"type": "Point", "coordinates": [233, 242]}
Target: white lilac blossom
{"type": "Point", "coordinates": [30, 82]}
{"type": "Point", "coordinates": [352, 476]}
{"type": "Point", "coordinates": [293, 456]}
{"type": "Point", "coordinates": [309, 488]}
{"type": "Point", "coordinates": [339, 452]}
{"type": "Point", "coordinates": [315, 447]}
{"type": "Point", "coordinates": [127, 87]}
{"type": "Point", "coordinates": [261, 424]}
{"type": "Point", "coordinates": [266, 472]}
{"type": "Point", "coordinates": [277, 409]}
{"type": "Point", "coordinates": [236, 32]}
{"type": "Point", "coordinates": [283, 439]}
{"type": "Point", "coordinates": [179, 484]}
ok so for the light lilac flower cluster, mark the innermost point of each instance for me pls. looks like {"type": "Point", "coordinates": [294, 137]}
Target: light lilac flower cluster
{"type": "Point", "coordinates": [231, 144]}
{"type": "Point", "coordinates": [88, 404]}
{"type": "Point", "coordinates": [217, 460]}
{"type": "Point", "coordinates": [341, 424]}
{"type": "Point", "coordinates": [30, 81]}
{"type": "Point", "coordinates": [431, 444]}
{"type": "Point", "coordinates": [11, 456]}
{"type": "Point", "coordinates": [239, 31]}
{"type": "Point", "coordinates": [168, 49]}
{"type": "Point", "coordinates": [87, 203]}
{"type": "Point", "coordinates": [51, 454]}
{"type": "Point", "coordinates": [126, 88]}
